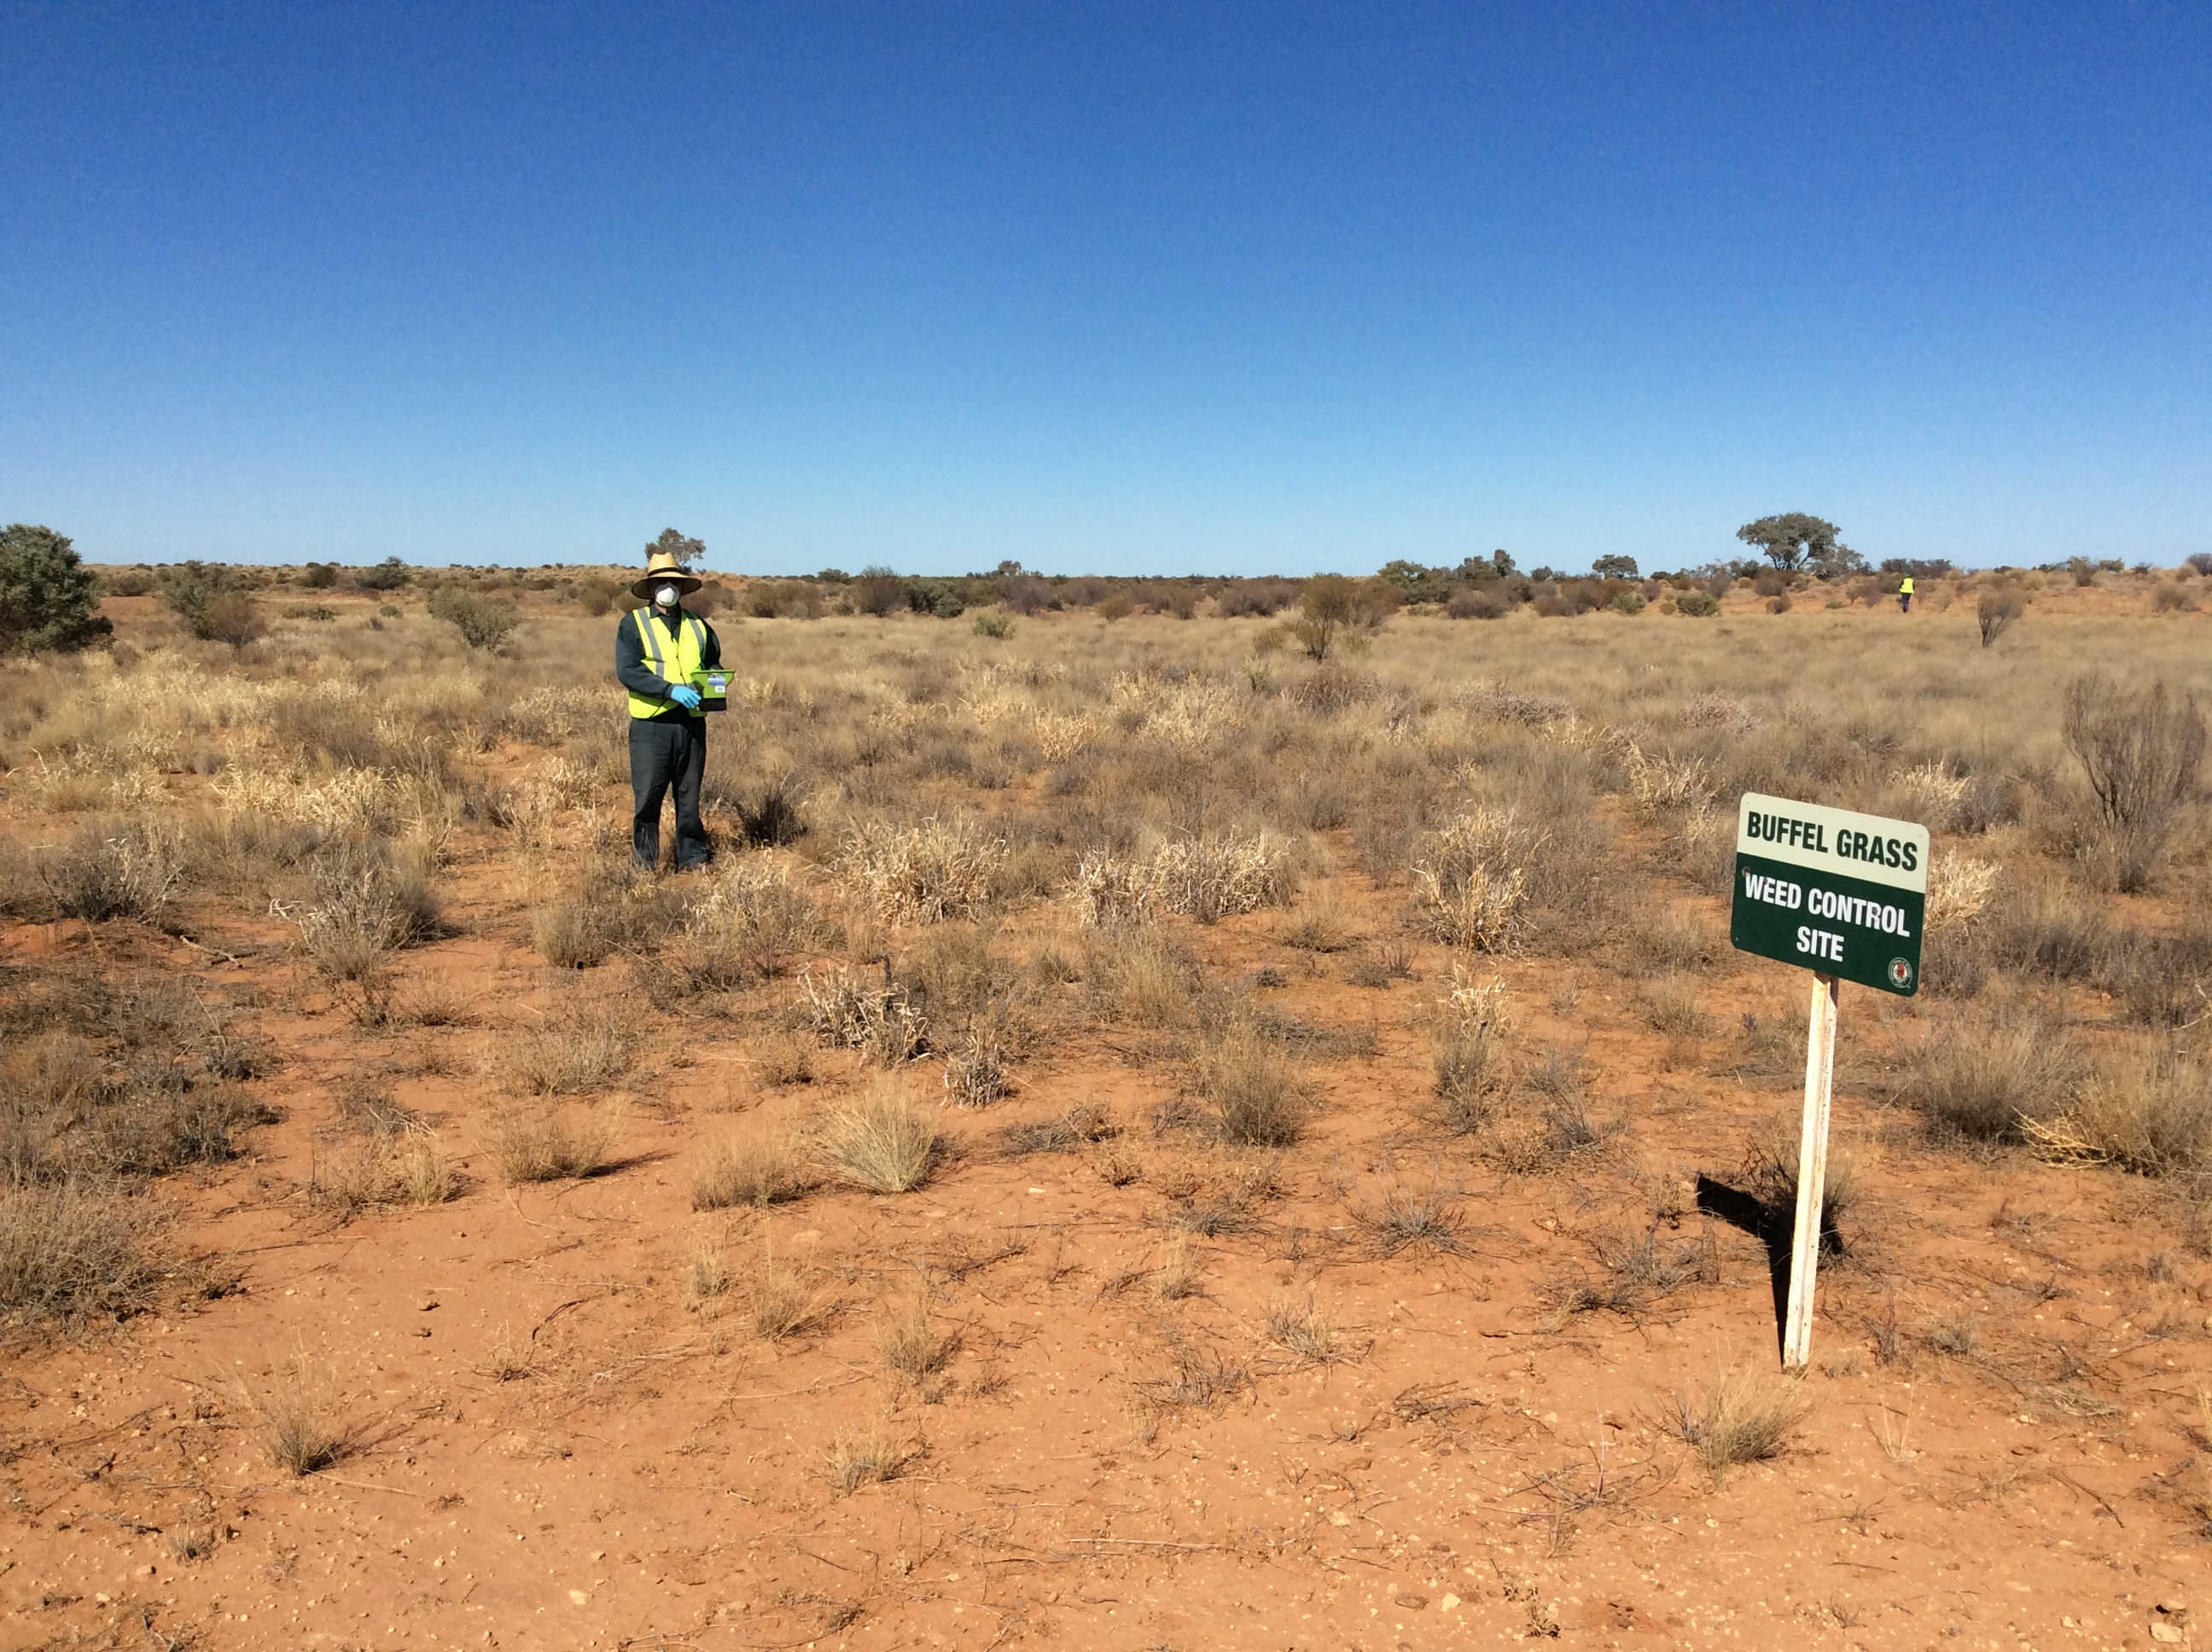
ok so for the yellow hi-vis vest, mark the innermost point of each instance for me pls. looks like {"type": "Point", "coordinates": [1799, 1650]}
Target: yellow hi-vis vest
{"type": "Point", "coordinates": [1905, 590]}
{"type": "Point", "coordinates": [674, 660]}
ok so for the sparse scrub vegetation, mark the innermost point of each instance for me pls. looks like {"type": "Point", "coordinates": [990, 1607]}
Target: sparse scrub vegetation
{"type": "Point", "coordinates": [1150, 898]}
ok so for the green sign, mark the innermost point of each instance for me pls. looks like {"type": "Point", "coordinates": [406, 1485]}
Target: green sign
{"type": "Point", "coordinates": [1830, 890]}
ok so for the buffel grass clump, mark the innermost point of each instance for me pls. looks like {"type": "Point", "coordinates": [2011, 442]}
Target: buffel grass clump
{"type": "Point", "coordinates": [122, 870]}
{"type": "Point", "coordinates": [303, 1428]}
{"type": "Point", "coordinates": [555, 1142]}
{"type": "Point", "coordinates": [849, 1011]}
{"type": "Point", "coordinates": [1743, 1415]}
{"type": "Point", "coordinates": [921, 873]}
{"type": "Point", "coordinates": [1472, 877]}
{"type": "Point", "coordinates": [881, 1140]}
{"type": "Point", "coordinates": [744, 927]}
{"type": "Point", "coordinates": [579, 1047]}
{"type": "Point", "coordinates": [756, 1164]}
{"type": "Point", "coordinates": [1253, 1093]}
{"type": "Point", "coordinates": [1982, 1081]}
{"type": "Point", "coordinates": [1472, 1054]}
{"type": "Point", "coordinates": [2148, 1111]}
{"type": "Point", "coordinates": [1207, 876]}
{"type": "Point", "coordinates": [370, 901]}
{"type": "Point", "coordinates": [73, 1252]}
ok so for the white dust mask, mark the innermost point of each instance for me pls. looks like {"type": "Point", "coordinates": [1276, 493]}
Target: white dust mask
{"type": "Point", "coordinates": [665, 596]}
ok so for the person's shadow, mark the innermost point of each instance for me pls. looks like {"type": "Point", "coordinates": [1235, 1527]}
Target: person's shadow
{"type": "Point", "coordinates": [1773, 1225]}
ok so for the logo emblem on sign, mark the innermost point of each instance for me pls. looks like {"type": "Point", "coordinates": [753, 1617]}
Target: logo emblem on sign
{"type": "Point", "coordinates": [1900, 972]}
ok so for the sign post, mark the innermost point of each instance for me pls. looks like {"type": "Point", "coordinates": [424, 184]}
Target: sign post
{"type": "Point", "coordinates": [1842, 895]}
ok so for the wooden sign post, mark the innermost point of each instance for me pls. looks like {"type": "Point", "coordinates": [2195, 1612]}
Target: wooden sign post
{"type": "Point", "coordinates": [1842, 895]}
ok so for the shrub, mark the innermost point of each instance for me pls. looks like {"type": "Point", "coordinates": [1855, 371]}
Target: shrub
{"type": "Point", "coordinates": [1697, 605]}
{"type": "Point", "coordinates": [390, 574]}
{"type": "Point", "coordinates": [2172, 599]}
{"type": "Point", "coordinates": [190, 589]}
{"type": "Point", "coordinates": [878, 591]}
{"type": "Point", "coordinates": [484, 621]}
{"type": "Point", "coordinates": [881, 1140]}
{"type": "Point", "coordinates": [994, 623]}
{"type": "Point", "coordinates": [1980, 1082]}
{"type": "Point", "coordinates": [598, 595]}
{"type": "Point", "coordinates": [49, 600]}
{"type": "Point", "coordinates": [2141, 754]}
{"type": "Point", "coordinates": [1631, 601]}
{"type": "Point", "coordinates": [232, 617]}
{"type": "Point", "coordinates": [73, 1251]}
{"type": "Point", "coordinates": [1996, 611]}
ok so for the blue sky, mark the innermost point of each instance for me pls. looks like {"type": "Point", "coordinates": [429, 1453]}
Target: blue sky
{"type": "Point", "coordinates": [1113, 289]}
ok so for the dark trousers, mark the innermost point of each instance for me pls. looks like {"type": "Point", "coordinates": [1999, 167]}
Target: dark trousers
{"type": "Point", "coordinates": [1904, 602]}
{"type": "Point", "coordinates": [662, 754]}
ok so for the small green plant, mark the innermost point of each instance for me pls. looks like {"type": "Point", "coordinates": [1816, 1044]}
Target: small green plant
{"type": "Point", "coordinates": [992, 622]}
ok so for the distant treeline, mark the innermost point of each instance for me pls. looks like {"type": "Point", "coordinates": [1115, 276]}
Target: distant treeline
{"type": "Point", "coordinates": [1479, 587]}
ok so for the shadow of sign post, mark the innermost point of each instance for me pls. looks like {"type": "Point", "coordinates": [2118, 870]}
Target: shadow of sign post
{"type": "Point", "coordinates": [1842, 895]}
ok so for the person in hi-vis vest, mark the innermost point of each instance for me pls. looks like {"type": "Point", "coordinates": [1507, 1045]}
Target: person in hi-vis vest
{"type": "Point", "coordinates": [1904, 596]}
{"type": "Point", "coordinates": [659, 648]}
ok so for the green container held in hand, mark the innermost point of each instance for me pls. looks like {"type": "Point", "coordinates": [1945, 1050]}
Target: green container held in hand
{"type": "Point", "coordinates": [713, 690]}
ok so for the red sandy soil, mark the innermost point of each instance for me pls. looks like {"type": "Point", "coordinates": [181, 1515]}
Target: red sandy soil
{"type": "Point", "coordinates": [1484, 1469]}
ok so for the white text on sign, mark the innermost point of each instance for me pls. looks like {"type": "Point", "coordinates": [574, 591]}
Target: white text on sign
{"type": "Point", "coordinates": [1825, 904]}
{"type": "Point", "coordinates": [1820, 942]}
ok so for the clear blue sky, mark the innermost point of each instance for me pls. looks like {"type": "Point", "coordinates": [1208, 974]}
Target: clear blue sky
{"type": "Point", "coordinates": [1116, 288]}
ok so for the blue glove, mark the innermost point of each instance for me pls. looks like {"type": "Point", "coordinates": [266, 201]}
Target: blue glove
{"type": "Point", "coordinates": [685, 695]}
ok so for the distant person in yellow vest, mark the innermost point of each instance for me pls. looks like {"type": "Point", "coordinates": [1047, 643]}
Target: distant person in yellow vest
{"type": "Point", "coordinates": [659, 648]}
{"type": "Point", "coordinates": [1904, 596]}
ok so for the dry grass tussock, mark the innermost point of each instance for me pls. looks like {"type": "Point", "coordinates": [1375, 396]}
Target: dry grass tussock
{"type": "Point", "coordinates": [2145, 1110]}
{"type": "Point", "coordinates": [1207, 878]}
{"type": "Point", "coordinates": [302, 1421]}
{"type": "Point", "coordinates": [370, 901]}
{"type": "Point", "coordinates": [581, 1046]}
{"type": "Point", "coordinates": [1473, 1053]}
{"type": "Point", "coordinates": [921, 873]}
{"type": "Point", "coordinates": [1985, 1079]}
{"type": "Point", "coordinates": [1472, 877]}
{"type": "Point", "coordinates": [882, 1139]}
{"type": "Point", "coordinates": [743, 925]}
{"type": "Point", "coordinates": [1253, 1093]}
{"type": "Point", "coordinates": [1743, 1415]}
{"type": "Point", "coordinates": [849, 1011]}
{"type": "Point", "coordinates": [106, 870]}
{"type": "Point", "coordinates": [557, 1142]}
{"type": "Point", "coordinates": [757, 1164]}
{"type": "Point", "coordinates": [75, 1251]}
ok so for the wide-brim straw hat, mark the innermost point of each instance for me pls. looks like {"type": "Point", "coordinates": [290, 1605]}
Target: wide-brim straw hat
{"type": "Point", "coordinates": [662, 568]}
